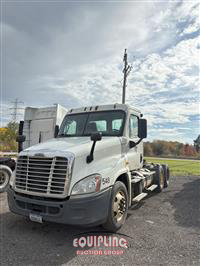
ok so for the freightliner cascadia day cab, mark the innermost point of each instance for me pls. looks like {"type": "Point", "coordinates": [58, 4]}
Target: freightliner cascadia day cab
{"type": "Point", "coordinates": [90, 173]}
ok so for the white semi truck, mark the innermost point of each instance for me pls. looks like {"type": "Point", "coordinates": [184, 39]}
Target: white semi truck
{"type": "Point", "coordinates": [90, 173]}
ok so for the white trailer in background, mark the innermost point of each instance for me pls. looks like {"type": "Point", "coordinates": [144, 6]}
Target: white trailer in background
{"type": "Point", "coordinates": [38, 126]}
{"type": "Point", "coordinates": [39, 123]}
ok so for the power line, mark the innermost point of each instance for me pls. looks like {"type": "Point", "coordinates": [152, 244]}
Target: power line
{"type": "Point", "coordinates": [16, 109]}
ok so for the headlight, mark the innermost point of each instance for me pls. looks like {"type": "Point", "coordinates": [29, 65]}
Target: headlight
{"type": "Point", "coordinates": [12, 178]}
{"type": "Point", "coordinates": [89, 184]}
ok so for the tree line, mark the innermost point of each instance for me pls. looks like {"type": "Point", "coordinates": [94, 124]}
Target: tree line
{"type": "Point", "coordinates": [171, 149]}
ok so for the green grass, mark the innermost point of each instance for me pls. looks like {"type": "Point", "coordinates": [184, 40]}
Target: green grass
{"type": "Point", "coordinates": [179, 167]}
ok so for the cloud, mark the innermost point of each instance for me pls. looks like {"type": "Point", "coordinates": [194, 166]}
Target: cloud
{"type": "Point", "coordinates": [71, 53]}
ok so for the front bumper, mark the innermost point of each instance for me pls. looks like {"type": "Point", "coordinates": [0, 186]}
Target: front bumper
{"type": "Point", "coordinates": [86, 210]}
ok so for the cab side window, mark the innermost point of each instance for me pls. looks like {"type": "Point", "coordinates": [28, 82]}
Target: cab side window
{"type": "Point", "coordinates": [133, 127]}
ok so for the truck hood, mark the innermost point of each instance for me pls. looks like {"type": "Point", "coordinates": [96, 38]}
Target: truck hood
{"type": "Point", "coordinates": [107, 156]}
{"type": "Point", "coordinates": [77, 145]}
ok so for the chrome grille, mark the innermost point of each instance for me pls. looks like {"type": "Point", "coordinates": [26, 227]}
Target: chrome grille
{"type": "Point", "coordinates": [42, 175]}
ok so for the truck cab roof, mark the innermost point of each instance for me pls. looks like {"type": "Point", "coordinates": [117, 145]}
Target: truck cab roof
{"type": "Point", "coordinates": [109, 107]}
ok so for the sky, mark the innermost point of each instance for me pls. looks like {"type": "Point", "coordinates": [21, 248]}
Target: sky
{"type": "Point", "coordinates": [71, 53]}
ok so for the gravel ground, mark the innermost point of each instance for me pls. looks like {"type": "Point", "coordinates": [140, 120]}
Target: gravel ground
{"type": "Point", "coordinates": [162, 230]}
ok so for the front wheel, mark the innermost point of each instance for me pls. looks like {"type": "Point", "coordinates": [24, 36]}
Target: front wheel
{"type": "Point", "coordinates": [118, 207]}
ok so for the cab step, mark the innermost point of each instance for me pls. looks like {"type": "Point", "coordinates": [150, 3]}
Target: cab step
{"type": "Point", "coordinates": [139, 197]}
{"type": "Point", "coordinates": [136, 180]}
{"type": "Point", "coordinates": [152, 187]}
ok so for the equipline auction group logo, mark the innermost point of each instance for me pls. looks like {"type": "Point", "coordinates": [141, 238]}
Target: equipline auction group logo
{"type": "Point", "coordinates": [97, 241]}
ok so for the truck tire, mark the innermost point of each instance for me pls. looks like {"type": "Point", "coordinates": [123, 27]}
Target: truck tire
{"type": "Point", "coordinates": [5, 174]}
{"type": "Point", "coordinates": [166, 175]}
{"type": "Point", "coordinates": [118, 207]}
{"type": "Point", "coordinates": [159, 178]}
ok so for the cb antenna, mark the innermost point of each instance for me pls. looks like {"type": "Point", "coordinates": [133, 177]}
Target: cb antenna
{"type": "Point", "coordinates": [126, 71]}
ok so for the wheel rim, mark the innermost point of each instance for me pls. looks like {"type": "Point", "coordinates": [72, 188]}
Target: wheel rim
{"type": "Point", "coordinates": [3, 179]}
{"type": "Point", "coordinates": [119, 206]}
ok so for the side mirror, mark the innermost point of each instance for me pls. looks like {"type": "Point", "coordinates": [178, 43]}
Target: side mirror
{"type": "Point", "coordinates": [97, 136]}
{"type": "Point", "coordinates": [20, 138]}
{"type": "Point", "coordinates": [56, 130]}
{"type": "Point", "coordinates": [142, 128]}
{"type": "Point", "coordinates": [20, 134]}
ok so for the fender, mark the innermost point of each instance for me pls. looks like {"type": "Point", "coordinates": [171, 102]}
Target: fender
{"type": "Point", "coordinates": [127, 172]}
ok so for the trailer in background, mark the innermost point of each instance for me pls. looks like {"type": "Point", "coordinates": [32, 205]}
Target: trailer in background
{"type": "Point", "coordinates": [40, 123]}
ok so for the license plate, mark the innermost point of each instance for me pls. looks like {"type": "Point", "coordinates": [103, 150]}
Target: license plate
{"type": "Point", "coordinates": [35, 218]}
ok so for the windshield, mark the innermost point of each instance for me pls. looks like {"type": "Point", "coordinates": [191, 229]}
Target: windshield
{"type": "Point", "coordinates": [109, 123]}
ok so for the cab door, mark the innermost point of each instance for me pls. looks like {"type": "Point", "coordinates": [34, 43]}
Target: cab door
{"type": "Point", "coordinates": [133, 154]}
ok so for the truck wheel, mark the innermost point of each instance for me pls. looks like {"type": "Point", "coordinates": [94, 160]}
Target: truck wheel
{"type": "Point", "coordinates": [166, 175]}
{"type": "Point", "coordinates": [5, 174]}
{"type": "Point", "coordinates": [118, 207]}
{"type": "Point", "coordinates": [159, 178]}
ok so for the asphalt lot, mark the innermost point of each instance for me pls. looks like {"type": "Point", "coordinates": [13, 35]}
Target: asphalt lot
{"type": "Point", "coordinates": [162, 230]}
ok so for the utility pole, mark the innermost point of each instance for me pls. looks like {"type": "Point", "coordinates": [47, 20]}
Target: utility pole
{"type": "Point", "coordinates": [126, 71]}
{"type": "Point", "coordinates": [15, 109]}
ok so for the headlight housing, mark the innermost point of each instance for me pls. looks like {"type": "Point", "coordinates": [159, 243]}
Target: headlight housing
{"type": "Point", "coordinates": [89, 184]}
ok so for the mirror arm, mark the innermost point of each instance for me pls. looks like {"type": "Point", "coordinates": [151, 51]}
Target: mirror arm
{"type": "Point", "coordinates": [90, 157]}
{"type": "Point", "coordinates": [138, 142]}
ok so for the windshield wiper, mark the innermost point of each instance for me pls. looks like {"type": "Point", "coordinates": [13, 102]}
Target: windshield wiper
{"type": "Point", "coordinates": [62, 135]}
{"type": "Point", "coordinates": [68, 135]}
